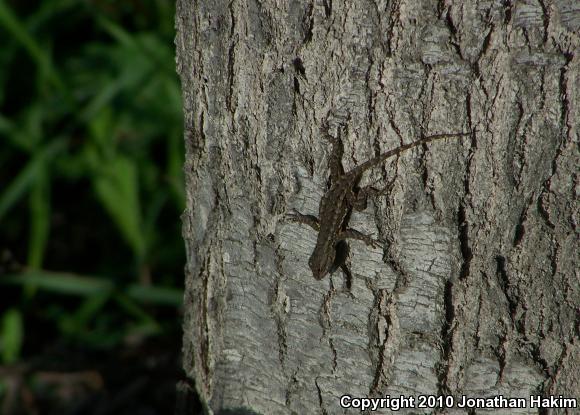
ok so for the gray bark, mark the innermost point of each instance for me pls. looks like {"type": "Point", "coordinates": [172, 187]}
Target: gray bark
{"type": "Point", "coordinates": [476, 288]}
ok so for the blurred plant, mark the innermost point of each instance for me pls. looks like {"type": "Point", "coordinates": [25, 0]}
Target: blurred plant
{"type": "Point", "coordinates": [11, 336]}
{"type": "Point", "coordinates": [90, 111]}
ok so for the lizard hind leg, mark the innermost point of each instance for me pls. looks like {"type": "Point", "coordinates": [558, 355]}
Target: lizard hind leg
{"type": "Point", "coordinates": [341, 254]}
{"type": "Point", "coordinates": [348, 275]}
{"type": "Point", "coordinates": [340, 259]}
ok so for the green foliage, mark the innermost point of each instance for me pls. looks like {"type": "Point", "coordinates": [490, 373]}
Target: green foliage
{"type": "Point", "coordinates": [91, 136]}
{"type": "Point", "coordinates": [11, 334]}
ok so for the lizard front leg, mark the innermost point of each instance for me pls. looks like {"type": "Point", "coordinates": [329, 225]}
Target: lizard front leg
{"type": "Point", "coordinates": [309, 220]}
{"type": "Point", "coordinates": [354, 234]}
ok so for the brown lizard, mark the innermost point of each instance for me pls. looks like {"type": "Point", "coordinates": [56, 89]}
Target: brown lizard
{"type": "Point", "coordinates": [337, 203]}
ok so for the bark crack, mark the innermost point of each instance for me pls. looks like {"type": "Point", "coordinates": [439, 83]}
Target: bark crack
{"type": "Point", "coordinates": [384, 302]}
{"type": "Point", "coordinates": [204, 341]}
{"type": "Point", "coordinates": [231, 74]}
{"type": "Point", "coordinates": [505, 285]}
{"type": "Point", "coordinates": [280, 309]}
{"type": "Point", "coordinates": [545, 20]}
{"type": "Point", "coordinates": [463, 224]}
{"type": "Point", "coordinates": [466, 252]}
{"type": "Point", "coordinates": [320, 400]}
{"type": "Point", "coordinates": [447, 339]}
{"type": "Point", "coordinates": [308, 23]}
{"type": "Point", "coordinates": [520, 230]}
{"type": "Point", "coordinates": [563, 86]}
{"type": "Point", "coordinates": [327, 7]}
{"type": "Point", "coordinates": [453, 31]}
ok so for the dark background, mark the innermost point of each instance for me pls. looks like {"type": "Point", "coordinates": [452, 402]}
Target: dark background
{"type": "Point", "coordinates": [91, 192]}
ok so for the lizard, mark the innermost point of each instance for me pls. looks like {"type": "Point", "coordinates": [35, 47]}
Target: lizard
{"type": "Point", "coordinates": [337, 203]}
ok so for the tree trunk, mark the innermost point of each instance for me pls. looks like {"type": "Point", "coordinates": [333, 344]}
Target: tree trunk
{"type": "Point", "coordinates": [474, 290]}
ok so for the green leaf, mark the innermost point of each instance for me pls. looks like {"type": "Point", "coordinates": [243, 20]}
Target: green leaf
{"type": "Point", "coordinates": [99, 289]}
{"type": "Point", "coordinates": [18, 187]}
{"type": "Point", "coordinates": [118, 190]}
{"type": "Point", "coordinates": [11, 335]}
{"type": "Point", "coordinates": [39, 218]}
{"type": "Point", "coordinates": [8, 129]}
{"type": "Point", "coordinates": [61, 283]}
{"type": "Point", "coordinates": [101, 128]}
{"type": "Point", "coordinates": [28, 175]}
{"type": "Point", "coordinates": [136, 311]}
{"type": "Point", "coordinates": [156, 295]}
{"type": "Point", "coordinates": [78, 322]}
{"type": "Point", "coordinates": [102, 99]}
{"type": "Point", "coordinates": [117, 32]}
{"type": "Point", "coordinates": [12, 24]}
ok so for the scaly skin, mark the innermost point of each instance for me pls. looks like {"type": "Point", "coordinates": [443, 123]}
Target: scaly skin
{"type": "Point", "coordinates": [337, 203]}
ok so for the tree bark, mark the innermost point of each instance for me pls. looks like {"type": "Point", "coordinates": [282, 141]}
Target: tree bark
{"type": "Point", "coordinates": [475, 290]}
